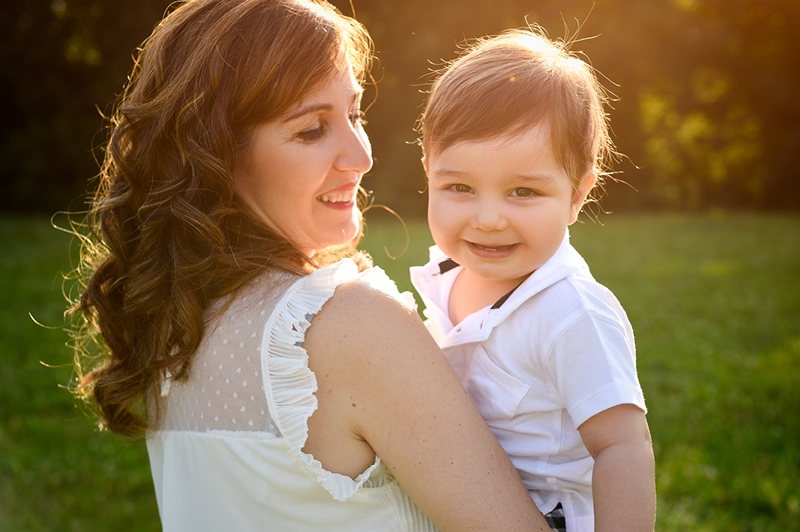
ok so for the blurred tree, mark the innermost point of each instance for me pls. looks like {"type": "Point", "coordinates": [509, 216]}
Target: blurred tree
{"type": "Point", "coordinates": [713, 83]}
{"type": "Point", "coordinates": [704, 101]}
{"type": "Point", "coordinates": [414, 39]}
{"type": "Point", "coordinates": [752, 48]}
{"type": "Point", "coordinates": [703, 110]}
{"type": "Point", "coordinates": [60, 61]}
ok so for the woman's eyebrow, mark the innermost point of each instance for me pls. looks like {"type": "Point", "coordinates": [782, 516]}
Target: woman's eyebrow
{"type": "Point", "coordinates": [316, 107]}
{"type": "Point", "coordinates": [307, 110]}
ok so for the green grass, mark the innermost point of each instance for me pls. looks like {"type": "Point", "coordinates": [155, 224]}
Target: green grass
{"type": "Point", "coordinates": [715, 304]}
{"type": "Point", "coordinates": [714, 301]}
{"type": "Point", "coordinates": [56, 471]}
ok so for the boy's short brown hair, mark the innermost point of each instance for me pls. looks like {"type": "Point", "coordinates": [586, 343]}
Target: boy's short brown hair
{"type": "Point", "coordinates": [508, 84]}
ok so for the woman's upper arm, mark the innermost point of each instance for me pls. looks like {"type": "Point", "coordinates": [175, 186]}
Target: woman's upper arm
{"type": "Point", "coordinates": [399, 394]}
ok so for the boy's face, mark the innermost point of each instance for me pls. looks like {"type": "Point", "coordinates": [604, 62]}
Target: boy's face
{"type": "Point", "coordinates": [501, 207]}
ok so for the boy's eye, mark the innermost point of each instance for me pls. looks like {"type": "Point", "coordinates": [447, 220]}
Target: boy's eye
{"type": "Point", "coordinates": [522, 192]}
{"type": "Point", "coordinates": [460, 188]}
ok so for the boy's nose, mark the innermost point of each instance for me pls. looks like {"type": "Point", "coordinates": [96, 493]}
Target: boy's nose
{"type": "Point", "coordinates": [489, 218]}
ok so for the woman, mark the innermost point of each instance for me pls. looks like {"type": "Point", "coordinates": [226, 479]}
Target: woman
{"type": "Point", "coordinates": [227, 194]}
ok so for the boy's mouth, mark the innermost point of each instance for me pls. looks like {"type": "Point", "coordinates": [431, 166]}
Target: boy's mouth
{"type": "Point", "coordinates": [495, 251]}
{"type": "Point", "coordinates": [492, 248]}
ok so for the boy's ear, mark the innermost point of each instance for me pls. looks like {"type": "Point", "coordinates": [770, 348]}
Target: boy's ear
{"type": "Point", "coordinates": [579, 195]}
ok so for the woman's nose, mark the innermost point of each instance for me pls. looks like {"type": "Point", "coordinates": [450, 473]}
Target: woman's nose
{"type": "Point", "coordinates": [356, 151]}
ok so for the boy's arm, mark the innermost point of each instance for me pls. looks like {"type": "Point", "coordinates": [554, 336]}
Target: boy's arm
{"type": "Point", "coordinates": [623, 481]}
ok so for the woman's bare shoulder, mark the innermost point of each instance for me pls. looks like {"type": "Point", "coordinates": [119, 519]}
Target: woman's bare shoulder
{"type": "Point", "coordinates": [384, 382]}
{"type": "Point", "coordinates": [359, 313]}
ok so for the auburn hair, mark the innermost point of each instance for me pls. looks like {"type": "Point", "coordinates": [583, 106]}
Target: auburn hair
{"type": "Point", "coordinates": [166, 232]}
{"type": "Point", "coordinates": [510, 83]}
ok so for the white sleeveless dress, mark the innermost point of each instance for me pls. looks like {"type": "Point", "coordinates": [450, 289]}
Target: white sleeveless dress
{"type": "Point", "coordinates": [228, 455]}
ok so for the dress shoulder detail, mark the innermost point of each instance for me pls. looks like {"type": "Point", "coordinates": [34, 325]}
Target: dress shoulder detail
{"type": "Point", "coordinates": [289, 383]}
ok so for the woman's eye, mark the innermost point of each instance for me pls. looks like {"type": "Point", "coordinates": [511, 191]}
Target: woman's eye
{"type": "Point", "coordinates": [522, 192]}
{"type": "Point", "coordinates": [357, 117]}
{"type": "Point", "coordinates": [310, 135]}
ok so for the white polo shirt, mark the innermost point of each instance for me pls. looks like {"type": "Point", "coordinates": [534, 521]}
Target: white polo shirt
{"type": "Point", "coordinates": [537, 364]}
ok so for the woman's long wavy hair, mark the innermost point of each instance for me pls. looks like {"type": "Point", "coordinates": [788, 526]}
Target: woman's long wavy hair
{"type": "Point", "coordinates": [166, 234]}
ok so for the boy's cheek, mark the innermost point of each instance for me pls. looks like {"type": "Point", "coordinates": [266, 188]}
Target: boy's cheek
{"type": "Point", "coordinates": [434, 206]}
{"type": "Point", "coordinates": [441, 220]}
{"type": "Point", "coordinates": [440, 211]}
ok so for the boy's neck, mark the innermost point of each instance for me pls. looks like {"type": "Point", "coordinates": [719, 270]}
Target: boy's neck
{"type": "Point", "coordinates": [471, 293]}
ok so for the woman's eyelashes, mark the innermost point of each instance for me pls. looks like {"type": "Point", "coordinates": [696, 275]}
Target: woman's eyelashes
{"type": "Point", "coordinates": [320, 128]}
{"type": "Point", "coordinates": [357, 117]}
{"type": "Point", "coordinates": [310, 135]}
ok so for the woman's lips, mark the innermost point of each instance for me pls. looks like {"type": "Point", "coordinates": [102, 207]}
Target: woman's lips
{"type": "Point", "coordinates": [339, 198]}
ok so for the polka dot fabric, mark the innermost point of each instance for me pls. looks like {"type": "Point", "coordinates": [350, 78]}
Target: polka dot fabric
{"type": "Point", "coordinates": [225, 388]}
{"type": "Point", "coordinates": [218, 463]}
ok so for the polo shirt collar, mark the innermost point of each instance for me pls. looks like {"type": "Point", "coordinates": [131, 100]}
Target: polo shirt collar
{"type": "Point", "coordinates": [434, 281]}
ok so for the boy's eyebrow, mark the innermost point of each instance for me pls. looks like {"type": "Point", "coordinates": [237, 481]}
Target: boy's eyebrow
{"type": "Point", "coordinates": [541, 178]}
{"type": "Point", "coordinates": [546, 178]}
{"type": "Point", "coordinates": [448, 172]}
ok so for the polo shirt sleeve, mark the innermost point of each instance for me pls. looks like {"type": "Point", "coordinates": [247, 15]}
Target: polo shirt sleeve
{"type": "Point", "coordinates": [592, 362]}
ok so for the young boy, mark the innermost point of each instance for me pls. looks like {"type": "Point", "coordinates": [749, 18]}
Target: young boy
{"type": "Point", "coordinates": [514, 136]}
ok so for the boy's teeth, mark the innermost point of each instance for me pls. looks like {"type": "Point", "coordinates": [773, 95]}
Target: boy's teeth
{"type": "Point", "coordinates": [499, 247]}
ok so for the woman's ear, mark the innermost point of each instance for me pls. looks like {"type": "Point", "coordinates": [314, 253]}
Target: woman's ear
{"type": "Point", "coordinates": [579, 194]}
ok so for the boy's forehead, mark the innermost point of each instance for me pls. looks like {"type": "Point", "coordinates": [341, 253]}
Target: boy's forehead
{"type": "Point", "coordinates": [528, 156]}
{"type": "Point", "coordinates": [499, 135]}
{"type": "Point", "coordinates": [537, 137]}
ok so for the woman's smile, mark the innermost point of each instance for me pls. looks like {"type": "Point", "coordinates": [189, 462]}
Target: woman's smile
{"type": "Point", "coordinates": [340, 198]}
{"type": "Point", "coordinates": [304, 186]}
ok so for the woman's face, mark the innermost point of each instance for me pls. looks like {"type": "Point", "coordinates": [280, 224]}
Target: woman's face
{"type": "Point", "coordinates": [301, 172]}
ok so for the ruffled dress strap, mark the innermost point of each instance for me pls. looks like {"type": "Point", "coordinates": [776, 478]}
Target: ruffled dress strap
{"type": "Point", "coordinates": [289, 383]}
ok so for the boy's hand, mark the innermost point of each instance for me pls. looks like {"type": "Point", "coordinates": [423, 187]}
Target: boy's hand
{"type": "Point", "coordinates": [623, 482]}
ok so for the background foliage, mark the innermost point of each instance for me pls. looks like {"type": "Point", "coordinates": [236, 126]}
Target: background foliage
{"type": "Point", "coordinates": [706, 111]}
{"type": "Point", "coordinates": [713, 300]}
{"type": "Point", "coordinates": [706, 115]}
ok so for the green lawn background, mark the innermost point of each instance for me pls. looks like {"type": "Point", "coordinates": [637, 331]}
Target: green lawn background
{"type": "Point", "coordinates": [715, 305]}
